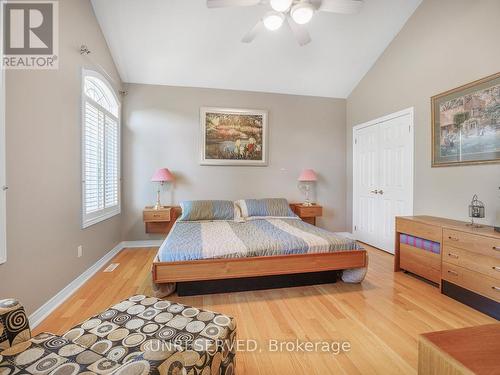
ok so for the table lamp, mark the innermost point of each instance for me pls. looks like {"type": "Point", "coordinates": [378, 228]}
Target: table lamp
{"type": "Point", "coordinates": [308, 176]}
{"type": "Point", "coordinates": [161, 176]}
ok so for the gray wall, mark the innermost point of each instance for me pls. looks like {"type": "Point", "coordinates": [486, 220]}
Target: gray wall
{"type": "Point", "coordinates": [43, 168]}
{"type": "Point", "coordinates": [161, 129]}
{"type": "Point", "coordinates": [445, 44]}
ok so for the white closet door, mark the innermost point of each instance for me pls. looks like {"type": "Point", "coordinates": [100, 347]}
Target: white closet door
{"type": "Point", "coordinates": [383, 177]}
{"type": "Point", "coordinates": [396, 176]}
{"type": "Point", "coordinates": [366, 174]}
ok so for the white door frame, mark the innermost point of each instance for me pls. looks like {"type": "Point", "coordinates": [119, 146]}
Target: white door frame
{"type": "Point", "coordinates": [404, 112]}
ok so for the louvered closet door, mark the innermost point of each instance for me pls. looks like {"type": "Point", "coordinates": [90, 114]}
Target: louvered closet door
{"type": "Point", "coordinates": [382, 178]}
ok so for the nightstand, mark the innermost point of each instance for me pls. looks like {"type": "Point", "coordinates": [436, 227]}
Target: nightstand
{"type": "Point", "coordinates": [307, 213]}
{"type": "Point", "coordinates": [158, 221]}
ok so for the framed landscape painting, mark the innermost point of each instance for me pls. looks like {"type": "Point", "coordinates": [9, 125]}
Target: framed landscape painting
{"type": "Point", "coordinates": [466, 124]}
{"type": "Point", "coordinates": [232, 136]}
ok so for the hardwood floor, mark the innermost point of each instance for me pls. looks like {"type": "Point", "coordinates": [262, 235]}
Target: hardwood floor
{"type": "Point", "coordinates": [381, 318]}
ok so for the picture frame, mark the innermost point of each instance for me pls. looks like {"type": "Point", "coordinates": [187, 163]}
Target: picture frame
{"type": "Point", "coordinates": [466, 124]}
{"type": "Point", "coordinates": [233, 136]}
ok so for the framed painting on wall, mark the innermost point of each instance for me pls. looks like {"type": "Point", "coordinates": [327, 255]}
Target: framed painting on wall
{"type": "Point", "coordinates": [232, 136]}
{"type": "Point", "coordinates": [466, 124]}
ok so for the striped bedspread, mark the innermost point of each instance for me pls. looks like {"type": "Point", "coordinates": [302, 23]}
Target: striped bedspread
{"type": "Point", "coordinates": [260, 237]}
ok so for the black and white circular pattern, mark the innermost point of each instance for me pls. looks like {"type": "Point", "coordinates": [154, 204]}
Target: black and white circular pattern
{"type": "Point", "coordinates": [117, 353]}
{"type": "Point", "coordinates": [109, 314]}
{"type": "Point", "coordinates": [175, 308]}
{"type": "Point", "coordinates": [195, 327]}
{"type": "Point", "coordinates": [46, 364]}
{"type": "Point", "coordinates": [150, 328]}
{"type": "Point", "coordinates": [91, 323]}
{"type": "Point", "coordinates": [16, 321]}
{"type": "Point", "coordinates": [166, 333]}
{"type": "Point", "coordinates": [136, 309]}
{"type": "Point", "coordinates": [190, 312]}
{"type": "Point", "coordinates": [163, 317]}
{"type": "Point", "coordinates": [55, 343]}
{"type": "Point", "coordinates": [121, 319]}
{"type": "Point", "coordinates": [134, 324]}
{"type": "Point", "coordinates": [222, 320]}
{"type": "Point", "coordinates": [161, 305]}
{"type": "Point", "coordinates": [137, 298]}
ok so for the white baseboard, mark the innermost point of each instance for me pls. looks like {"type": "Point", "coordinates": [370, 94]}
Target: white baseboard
{"type": "Point", "coordinates": [146, 243]}
{"type": "Point", "coordinates": [43, 311]}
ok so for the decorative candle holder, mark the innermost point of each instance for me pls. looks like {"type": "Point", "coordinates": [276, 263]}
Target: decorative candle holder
{"type": "Point", "coordinates": [476, 211]}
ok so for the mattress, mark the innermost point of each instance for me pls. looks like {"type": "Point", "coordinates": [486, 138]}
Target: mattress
{"type": "Point", "coordinates": [259, 237]}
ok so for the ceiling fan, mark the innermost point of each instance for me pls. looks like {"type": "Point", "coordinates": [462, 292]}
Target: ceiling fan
{"type": "Point", "coordinates": [297, 14]}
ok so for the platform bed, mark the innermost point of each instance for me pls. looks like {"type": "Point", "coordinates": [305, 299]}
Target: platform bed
{"type": "Point", "coordinates": [217, 269]}
{"type": "Point", "coordinates": [315, 267]}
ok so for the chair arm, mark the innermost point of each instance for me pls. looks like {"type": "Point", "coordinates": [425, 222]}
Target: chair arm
{"type": "Point", "coordinates": [14, 324]}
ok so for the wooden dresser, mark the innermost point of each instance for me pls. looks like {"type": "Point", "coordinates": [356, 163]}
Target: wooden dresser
{"type": "Point", "coordinates": [471, 350]}
{"type": "Point", "coordinates": [467, 266]}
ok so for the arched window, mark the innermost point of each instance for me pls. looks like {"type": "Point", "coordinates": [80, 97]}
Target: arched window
{"type": "Point", "coordinates": [100, 150]}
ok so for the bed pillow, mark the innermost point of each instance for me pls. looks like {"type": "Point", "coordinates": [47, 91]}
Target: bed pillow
{"type": "Point", "coordinates": [207, 210]}
{"type": "Point", "coordinates": [275, 207]}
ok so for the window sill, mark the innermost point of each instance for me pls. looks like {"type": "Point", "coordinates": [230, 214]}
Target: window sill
{"type": "Point", "coordinates": [105, 216]}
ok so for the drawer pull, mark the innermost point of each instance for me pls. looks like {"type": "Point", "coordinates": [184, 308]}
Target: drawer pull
{"type": "Point", "coordinates": [453, 255]}
{"type": "Point", "coordinates": [495, 288]}
{"type": "Point", "coordinates": [452, 238]}
{"type": "Point", "coordinates": [453, 273]}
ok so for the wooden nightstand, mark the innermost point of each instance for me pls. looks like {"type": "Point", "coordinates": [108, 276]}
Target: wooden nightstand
{"type": "Point", "coordinates": [158, 221]}
{"type": "Point", "coordinates": [307, 213]}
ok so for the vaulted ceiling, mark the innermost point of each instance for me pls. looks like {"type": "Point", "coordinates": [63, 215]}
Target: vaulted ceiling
{"type": "Point", "coordinates": [183, 43]}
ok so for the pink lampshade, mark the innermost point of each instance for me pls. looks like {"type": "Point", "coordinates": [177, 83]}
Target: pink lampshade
{"type": "Point", "coordinates": [308, 175]}
{"type": "Point", "coordinates": [163, 175]}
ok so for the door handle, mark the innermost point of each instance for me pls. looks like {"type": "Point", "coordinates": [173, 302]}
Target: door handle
{"type": "Point", "coordinates": [381, 192]}
{"type": "Point", "coordinates": [496, 288]}
{"type": "Point", "coordinates": [374, 191]}
{"type": "Point", "coordinates": [496, 268]}
{"type": "Point", "coordinates": [453, 255]}
{"type": "Point", "coordinates": [496, 248]}
{"type": "Point", "coordinates": [453, 273]}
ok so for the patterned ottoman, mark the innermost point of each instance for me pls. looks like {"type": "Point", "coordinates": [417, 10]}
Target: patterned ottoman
{"type": "Point", "coordinates": [141, 335]}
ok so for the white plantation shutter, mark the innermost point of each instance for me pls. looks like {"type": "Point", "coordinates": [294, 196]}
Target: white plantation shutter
{"type": "Point", "coordinates": [101, 151]}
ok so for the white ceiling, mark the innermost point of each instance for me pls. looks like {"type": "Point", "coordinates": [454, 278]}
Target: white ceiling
{"type": "Point", "coordinates": [183, 43]}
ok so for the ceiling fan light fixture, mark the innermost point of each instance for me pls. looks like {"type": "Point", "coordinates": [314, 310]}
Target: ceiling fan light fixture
{"type": "Point", "coordinates": [273, 20]}
{"type": "Point", "coordinates": [281, 5]}
{"type": "Point", "coordinates": [302, 13]}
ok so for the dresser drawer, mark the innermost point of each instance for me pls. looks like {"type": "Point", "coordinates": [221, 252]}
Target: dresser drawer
{"type": "Point", "coordinates": [414, 228]}
{"type": "Point", "coordinates": [486, 265]}
{"type": "Point", "coordinates": [477, 282]}
{"type": "Point", "coordinates": [420, 262]}
{"type": "Point", "coordinates": [478, 244]}
{"type": "Point", "coordinates": [156, 215]}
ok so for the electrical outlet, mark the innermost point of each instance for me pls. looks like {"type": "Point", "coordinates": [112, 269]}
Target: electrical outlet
{"type": "Point", "coordinates": [79, 251]}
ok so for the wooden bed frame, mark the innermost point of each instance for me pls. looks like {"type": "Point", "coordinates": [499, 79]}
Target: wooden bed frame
{"type": "Point", "coordinates": [217, 269]}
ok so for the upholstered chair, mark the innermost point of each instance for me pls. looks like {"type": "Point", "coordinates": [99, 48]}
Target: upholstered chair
{"type": "Point", "coordinates": [14, 324]}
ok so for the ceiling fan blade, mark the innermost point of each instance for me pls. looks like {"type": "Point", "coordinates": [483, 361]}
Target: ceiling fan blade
{"type": "Point", "coordinates": [299, 31]}
{"type": "Point", "coordinates": [252, 33]}
{"type": "Point", "coordinates": [341, 6]}
{"type": "Point", "coordinates": [231, 3]}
